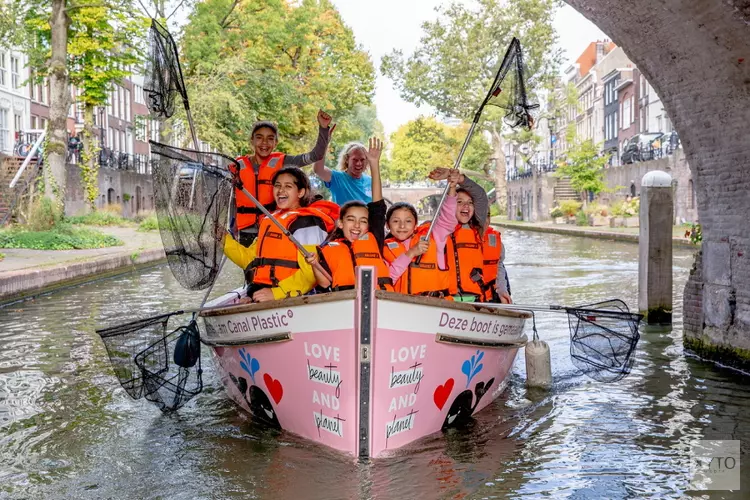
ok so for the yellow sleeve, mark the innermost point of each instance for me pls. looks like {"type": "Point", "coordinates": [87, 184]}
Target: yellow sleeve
{"type": "Point", "coordinates": [300, 282]}
{"type": "Point", "coordinates": [239, 254]}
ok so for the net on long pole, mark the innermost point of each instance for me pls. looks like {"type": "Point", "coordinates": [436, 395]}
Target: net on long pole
{"type": "Point", "coordinates": [164, 81]}
{"type": "Point", "coordinates": [192, 192]}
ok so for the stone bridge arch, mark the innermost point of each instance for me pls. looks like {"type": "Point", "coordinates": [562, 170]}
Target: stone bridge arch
{"type": "Point", "coordinates": [419, 197]}
{"type": "Point", "coordinates": [696, 54]}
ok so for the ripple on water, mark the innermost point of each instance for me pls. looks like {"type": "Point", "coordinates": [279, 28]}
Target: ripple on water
{"type": "Point", "coordinates": [68, 431]}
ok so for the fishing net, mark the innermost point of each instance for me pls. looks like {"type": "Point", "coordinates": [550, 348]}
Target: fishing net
{"type": "Point", "coordinates": [171, 368]}
{"type": "Point", "coordinates": [508, 91]}
{"type": "Point", "coordinates": [603, 337]}
{"type": "Point", "coordinates": [163, 73]}
{"type": "Point", "coordinates": [152, 363]}
{"type": "Point", "coordinates": [192, 194]}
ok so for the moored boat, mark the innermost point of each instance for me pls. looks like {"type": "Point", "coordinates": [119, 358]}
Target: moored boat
{"type": "Point", "coordinates": [362, 371]}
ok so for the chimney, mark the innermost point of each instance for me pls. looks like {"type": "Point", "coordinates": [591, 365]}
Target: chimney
{"type": "Point", "coordinates": [599, 51]}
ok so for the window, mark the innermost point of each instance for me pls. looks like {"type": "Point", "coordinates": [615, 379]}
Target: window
{"type": "Point", "coordinates": [15, 76]}
{"type": "Point", "coordinates": [154, 130]}
{"type": "Point", "coordinates": [34, 122]}
{"type": "Point", "coordinates": [140, 128]}
{"type": "Point", "coordinates": [5, 144]}
{"type": "Point", "coordinates": [127, 106]}
{"type": "Point", "coordinates": [627, 112]}
{"type": "Point", "coordinates": [644, 119]}
{"type": "Point", "coordinates": [2, 68]}
{"type": "Point", "coordinates": [43, 123]}
{"type": "Point", "coordinates": [129, 142]}
{"type": "Point", "coordinates": [109, 138]}
{"type": "Point", "coordinates": [138, 94]}
{"type": "Point", "coordinates": [17, 124]}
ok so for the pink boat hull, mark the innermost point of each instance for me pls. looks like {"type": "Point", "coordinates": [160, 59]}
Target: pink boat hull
{"type": "Point", "coordinates": [363, 372]}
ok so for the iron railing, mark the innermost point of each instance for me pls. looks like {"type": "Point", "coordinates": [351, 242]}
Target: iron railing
{"type": "Point", "coordinates": [526, 171]}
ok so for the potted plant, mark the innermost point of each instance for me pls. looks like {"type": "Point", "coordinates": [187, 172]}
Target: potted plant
{"type": "Point", "coordinates": [557, 215]}
{"type": "Point", "coordinates": [569, 209]}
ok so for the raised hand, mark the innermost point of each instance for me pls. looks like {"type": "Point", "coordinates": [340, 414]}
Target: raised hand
{"type": "Point", "coordinates": [439, 173]}
{"type": "Point", "coordinates": [374, 151]}
{"type": "Point", "coordinates": [324, 119]}
{"type": "Point", "coordinates": [454, 177]}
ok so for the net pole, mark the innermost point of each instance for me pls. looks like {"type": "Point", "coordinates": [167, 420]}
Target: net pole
{"type": "Point", "coordinates": [455, 166]}
{"type": "Point", "coordinates": [286, 232]}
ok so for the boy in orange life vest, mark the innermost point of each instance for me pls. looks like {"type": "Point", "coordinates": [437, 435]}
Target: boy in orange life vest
{"type": "Point", "coordinates": [273, 266]}
{"type": "Point", "coordinates": [428, 274]}
{"type": "Point", "coordinates": [257, 170]}
{"type": "Point", "coordinates": [358, 237]}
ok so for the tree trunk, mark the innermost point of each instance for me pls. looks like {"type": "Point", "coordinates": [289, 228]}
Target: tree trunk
{"type": "Point", "coordinates": [57, 143]}
{"type": "Point", "coordinates": [501, 189]}
{"type": "Point", "coordinates": [89, 163]}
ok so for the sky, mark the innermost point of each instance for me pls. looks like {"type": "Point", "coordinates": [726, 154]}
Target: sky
{"type": "Point", "coordinates": [396, 24]}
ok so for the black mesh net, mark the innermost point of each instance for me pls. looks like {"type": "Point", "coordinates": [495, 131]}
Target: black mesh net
{"type": "Point", "coordinates": [192, 193]}
{"type": "Point", "coordinates": [603, 338]}
{"type": "Point", "coordinates": [171, 368]}
{"type": "Point", "coordinates": [509, 89]}
{"type": "Point", "coordinates": [125, 342]}
{"type": "Point", "coordinates": [163, 73]}
{"type": "Point", "coordinates": [150, 362]}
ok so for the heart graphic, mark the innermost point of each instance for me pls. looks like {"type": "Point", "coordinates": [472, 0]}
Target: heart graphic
{"type": "Point", "coordinates": [275, 389]}
{"type": "Point", "coordinates": [442, 393]}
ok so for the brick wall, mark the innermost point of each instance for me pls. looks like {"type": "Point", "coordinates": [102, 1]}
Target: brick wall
{"type": "Point", "coordinates": [113, 186]}
{"type": "Point", "coordinates": [695, 54]}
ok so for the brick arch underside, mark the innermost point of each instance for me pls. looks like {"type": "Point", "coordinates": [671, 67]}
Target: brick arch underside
{"type": "Point", "coordinates": [696, 54]}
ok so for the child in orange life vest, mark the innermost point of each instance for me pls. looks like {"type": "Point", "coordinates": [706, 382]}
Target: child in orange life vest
{"type": "Point", "coordinates": [274, 267]}
{"type": "Point", "coordinates": [418, 267]}
{"type": "Point", "coordinates": [257, 170]}
{"type": "Point", "coordinates": [497, 287]}
{"type": "Point", "coordinates": [358, 237]}
{"type": "Point", "coordinates": [464, 246]}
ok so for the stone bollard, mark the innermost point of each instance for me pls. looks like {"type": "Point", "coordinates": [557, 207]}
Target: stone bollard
{"type": "Point", "coordinates": [655, 248]}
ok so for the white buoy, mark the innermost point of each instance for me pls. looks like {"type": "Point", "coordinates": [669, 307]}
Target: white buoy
{"type": "Point", "coordinates": [538, 366]}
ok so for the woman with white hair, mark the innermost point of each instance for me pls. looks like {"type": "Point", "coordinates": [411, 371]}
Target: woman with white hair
{"type": "Point", "coordinates": [349, 182]}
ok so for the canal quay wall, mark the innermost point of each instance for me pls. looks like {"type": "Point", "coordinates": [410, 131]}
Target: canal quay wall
{"type": "Point", "coordinates": [27, 273]}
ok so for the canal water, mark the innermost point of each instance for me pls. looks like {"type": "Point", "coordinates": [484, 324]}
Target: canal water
{"type": "Point", "coordinates": [67, 430]}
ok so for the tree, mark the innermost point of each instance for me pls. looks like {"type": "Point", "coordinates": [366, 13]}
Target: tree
{"type": "Point", "coordinates": [585, 167]}
{"type": "Point", "coordinates": [274, 60]}
{"type": "Point", "coordinates": [423, 144]}
{"type": "Point", "coordinates": [88, 45]}
{"type": "Point", "coordinates": [459, 55]}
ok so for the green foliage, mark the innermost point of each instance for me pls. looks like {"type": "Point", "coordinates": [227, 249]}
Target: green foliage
{"type": "Point", "coordinates": [424, 144]}
{"type": "Point", "coordinates": [581, 218]}
{"type": "Point", "coordinates": [126, 197]}
{"type": "Point", "coordinates": [99, 218]}
{"type": "Point", "coordinates": [695, 233]}
{"type": "Point", "coordinates": [584, 166]}
{"type": "Point", "coordinates": [61, 237]}
{"type": "Point", "coordinates": [570, 207]}
{"type": "Point", "coordinates": [494, 210]}
{"type": "Point", "coordinates": [626, 208]}
{"type": "Point", "coordinates": [597, 209]}
{"type": "Point", "coordinates": [556, 212]}
{"type": "Point", "coordinates": [150, 223]}
{"type": "Point", "coordinates": [45, 214]}
{"type": "Point", "coordinates": [276, 60]}
{"type": "Point", "coordinates": [2, 256]}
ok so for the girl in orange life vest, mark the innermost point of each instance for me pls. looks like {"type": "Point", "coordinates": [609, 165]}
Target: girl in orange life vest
{"type": "Point", "coordinates": [419, 267]}
{"type": "Point", "coordinates": [497, 287]}
{"type": "Point", "coordinates": [358, 237]}
{"type": "Point", "coordinates": [273, 266]}
{"type": "Point", "coordinates": [464, 246]}
{"type": "Point", "coordinates": [257, 170]}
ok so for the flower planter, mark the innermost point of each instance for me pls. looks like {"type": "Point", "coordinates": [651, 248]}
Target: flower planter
{"type": "Point", "coordinates": [558, 220]}
{"type": "Point", "coordinates": [598, 220]}
{"type": "Point", "coordinates": [570, 220]}
{"type": "Point", "coordinates": [631, 221]}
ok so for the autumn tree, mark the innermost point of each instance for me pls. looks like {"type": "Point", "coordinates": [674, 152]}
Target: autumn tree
{"type": "Point", "coordinates": [423, 144]}
{"type": "Point", "coordinates": [273, 60]}
{"type": "Point", "coordinates": [459, 55]}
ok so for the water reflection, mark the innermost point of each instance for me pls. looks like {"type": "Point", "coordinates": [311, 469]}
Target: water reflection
{"type": "Point", "coordinates": [68, 431]}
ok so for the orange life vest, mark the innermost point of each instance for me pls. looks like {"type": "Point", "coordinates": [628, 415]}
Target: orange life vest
{"type": "Point", "coordinates": [491, 252]}
{"type": "Point", "coordinates": [464, 256]}
{"type": "Point", "coordinates": [259, 186]}
{"type": "Point", "coordinates": [276, 255]}
{"type": "Point", "coordinates": [420, 278]}
{"type": "Point", "coordinates": [341, 257]}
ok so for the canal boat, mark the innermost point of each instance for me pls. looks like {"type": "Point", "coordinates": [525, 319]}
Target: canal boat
{"type": "Point", "coordinates": [362, 371]}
